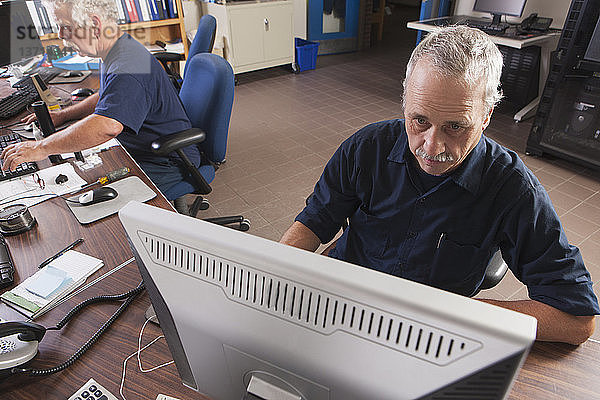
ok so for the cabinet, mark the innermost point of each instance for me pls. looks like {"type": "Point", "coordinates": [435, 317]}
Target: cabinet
{"type": "Point", "coordinates": [146, 32]}
{"type": "Point", "coordinates": [255, 34]}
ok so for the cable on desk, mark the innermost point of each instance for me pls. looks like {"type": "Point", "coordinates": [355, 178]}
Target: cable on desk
{"type": "Point", "coordinates": [93, 300]}
{"type": "Point", "coordinates": [42, 372]}
{"type": "Point", "coordinates": [139, 350]}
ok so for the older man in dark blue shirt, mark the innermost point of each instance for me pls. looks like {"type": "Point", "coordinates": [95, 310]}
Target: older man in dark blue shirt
{"type": "Point", "coordinates": [431, 199]}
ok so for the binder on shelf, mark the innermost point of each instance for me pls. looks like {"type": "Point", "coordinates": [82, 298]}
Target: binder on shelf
{"type": "Point", "coordinates": [175, 10]}
{"type": "Point", "coordinates": [125, 10]}
{"type": "Point", "coordinates": [153, 10]}
{"type": "Point", "coordinates": [34, 17]}
{"type": "Point", "coordinates": [162, 9]}
{"type": "Point", "coordinates": [131, 11]}
{"type": "Point", "coordinates": [121, 12]}
{"type": "Point", "coordinates": [170, 8]}
{"type": "Point", "coordinates": [138, 10]}
{"type": "Point", "coordinates": [43, 16]}
{"type": "Point", "coordinates": [145, 10]}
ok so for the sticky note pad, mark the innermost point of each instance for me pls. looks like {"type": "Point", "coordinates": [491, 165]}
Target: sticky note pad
{"type": "Point", "coordinates": [48, 281]}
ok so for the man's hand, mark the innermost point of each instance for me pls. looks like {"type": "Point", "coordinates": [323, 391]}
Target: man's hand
{"type": "Point", "coordinates": [18, 153]}
{"type": "Point", "coordinates": [57, 118]}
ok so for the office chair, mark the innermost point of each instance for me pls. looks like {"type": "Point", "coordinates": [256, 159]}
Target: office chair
{"type": "Point", "coordinates": [203, 43]}
{"type": "Point", "coordinates": [207, 97]}
{"type": "Point", "coordinates": [494, 271]}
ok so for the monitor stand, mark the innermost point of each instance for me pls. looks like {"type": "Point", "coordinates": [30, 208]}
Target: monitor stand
{"type": "Point", "coordinates": [151, 315]}
{"type": "Point", "coordinates": [260, 389]}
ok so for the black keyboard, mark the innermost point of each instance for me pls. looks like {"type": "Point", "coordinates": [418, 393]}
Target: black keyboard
{"type": "Point", "coordinates": [16, 102]}
{"type": "Point", "coordinates": [22, 169]}
{"type": "Point", "coordinates": [484, 24]}
{"type": "Point", "coordinates": [45, 73]}
{"type": "Point", "coordinates": [487, 27]}
{"type": "Point", "coordinates": [7, 268]}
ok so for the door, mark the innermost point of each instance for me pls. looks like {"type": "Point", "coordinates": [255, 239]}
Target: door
{"type": "Point", "coordinates": [278, 31]}
{"type": "Point", "coordinates": [247, 29]}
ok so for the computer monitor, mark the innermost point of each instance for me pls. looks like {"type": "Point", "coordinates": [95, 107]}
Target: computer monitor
{"type": "Point", "coordinates": [498, 8]}
{"type": "Point", "coordinates": [20, 39]}
{"type": "Point", "coordinates": [240, 312]}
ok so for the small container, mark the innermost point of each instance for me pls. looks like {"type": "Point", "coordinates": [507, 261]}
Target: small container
{"type": "Point", "coordinates": [306, 54]}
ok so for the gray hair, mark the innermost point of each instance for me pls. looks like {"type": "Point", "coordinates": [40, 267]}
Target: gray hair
{"type": "Point", "coordinates": [464, 53]}
{"type": "Point", "coordinates": [82, 9]}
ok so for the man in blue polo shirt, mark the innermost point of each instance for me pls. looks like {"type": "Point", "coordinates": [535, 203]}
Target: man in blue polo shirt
{"type": "Point", "coordinates": [429, 198]}
{"type": "Point", "coordinates": [136, 102]}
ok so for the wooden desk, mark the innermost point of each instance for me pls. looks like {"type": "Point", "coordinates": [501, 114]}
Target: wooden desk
{"type": "Point", "coordinates": [552, 371]}
{"type": "Point", "coordinates": [547, 43]}
{"type": "Point", "coordinates": [104, 239]}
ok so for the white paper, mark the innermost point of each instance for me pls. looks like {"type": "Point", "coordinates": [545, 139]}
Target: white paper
{"type": "Point", "coordinates": [77, 59]}
{"type": "Point", "coordinates": [11, 191]}
{"type": "Point", "coordinates": [77, 267]}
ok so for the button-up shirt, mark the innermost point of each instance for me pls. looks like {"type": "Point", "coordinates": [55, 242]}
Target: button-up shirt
{"type": "Point", "coordinates": [445, 236]}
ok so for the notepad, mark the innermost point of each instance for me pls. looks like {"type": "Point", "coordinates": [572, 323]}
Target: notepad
{"type": "Point", "coordinates": [38, 293]}
{"type": "Point", "coordinates": [48, 281]}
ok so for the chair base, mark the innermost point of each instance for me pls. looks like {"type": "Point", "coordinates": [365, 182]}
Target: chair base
{"type": "Point", "coordinates": [239, 222]}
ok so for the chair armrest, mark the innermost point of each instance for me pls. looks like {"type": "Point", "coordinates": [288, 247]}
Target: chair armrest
{"type": "Point", "coordinates": [165, 56]}
{"type": "Point", "coordinates": [171, 143]}
{"type": "Point", "coordinates": [176, 143]}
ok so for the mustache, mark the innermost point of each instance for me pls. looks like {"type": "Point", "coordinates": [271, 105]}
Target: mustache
{"type": "Point", "coordinates": [442, 157]}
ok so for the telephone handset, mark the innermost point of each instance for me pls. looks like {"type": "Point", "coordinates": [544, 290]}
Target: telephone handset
{"type": "Point", "coordinates": [535, 23]}
{"type": "Point", "coordinates": [19, 342]}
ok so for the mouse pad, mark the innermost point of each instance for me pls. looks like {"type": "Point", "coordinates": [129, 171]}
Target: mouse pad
{"type": "Point", "coordinates": [130, 188]}
{"type": "Point", "coordinates": [69, 79]}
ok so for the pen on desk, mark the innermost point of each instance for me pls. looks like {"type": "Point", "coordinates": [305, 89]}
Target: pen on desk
{"type": "Point", "coordinates": [60, 253]}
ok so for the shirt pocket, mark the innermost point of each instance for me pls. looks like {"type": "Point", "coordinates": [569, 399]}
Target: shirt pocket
{"type": "Point", "coordinates": [457, 267]}
{"type": "Point", "coordinates": [371, 233]}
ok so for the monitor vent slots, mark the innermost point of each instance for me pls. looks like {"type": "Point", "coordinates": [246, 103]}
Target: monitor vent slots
{"type": "Point", "coordinates": [308, 307]}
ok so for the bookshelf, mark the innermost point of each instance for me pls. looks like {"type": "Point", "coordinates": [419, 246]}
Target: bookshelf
{"type": "Point", "coordinates": [146, 32]}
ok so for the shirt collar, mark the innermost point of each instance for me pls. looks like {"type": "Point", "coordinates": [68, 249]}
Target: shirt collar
{"type": "Point", "coordinates": [468, 175]}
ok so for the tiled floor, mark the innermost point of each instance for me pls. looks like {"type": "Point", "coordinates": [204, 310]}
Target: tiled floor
{"type": "Point", "coordinates": [285, 127]}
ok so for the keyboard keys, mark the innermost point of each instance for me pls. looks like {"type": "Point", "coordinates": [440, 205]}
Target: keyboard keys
{"type": "Point", "coordinates": [22, 169]}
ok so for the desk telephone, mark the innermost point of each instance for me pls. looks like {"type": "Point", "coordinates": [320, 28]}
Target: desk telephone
{"type": "Point", "coordinates": [535, 23]}
{"type": "Point", "coordinates": [19, 341]}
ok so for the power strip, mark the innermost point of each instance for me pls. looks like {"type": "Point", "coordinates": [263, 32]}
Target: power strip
{"type": "Point", "coordinates": [92, 390]}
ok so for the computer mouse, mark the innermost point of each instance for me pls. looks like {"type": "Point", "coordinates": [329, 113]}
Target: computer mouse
{"type": "Point", "coordinates": [73, 74]}
{"type": "Point", "coordinates": [82, 92]}
{"type": "Point", "coordinates": [97, 196]}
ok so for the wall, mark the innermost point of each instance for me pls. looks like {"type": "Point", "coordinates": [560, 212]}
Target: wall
{"type": "Point", "coordinates": [556, 9]}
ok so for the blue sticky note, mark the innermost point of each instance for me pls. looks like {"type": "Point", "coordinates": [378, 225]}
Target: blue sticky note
{"type": "Point", "coordinates": [47, 281]}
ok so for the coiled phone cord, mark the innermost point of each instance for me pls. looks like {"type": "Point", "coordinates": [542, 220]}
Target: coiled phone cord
{"type": "Point", "coordinates": [129, 296]}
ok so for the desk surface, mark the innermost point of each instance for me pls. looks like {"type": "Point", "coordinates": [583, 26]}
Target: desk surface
{"type": "Point", "coordinates": [551, 371]}
{"type": "Point", "coordinates": [506, 40]}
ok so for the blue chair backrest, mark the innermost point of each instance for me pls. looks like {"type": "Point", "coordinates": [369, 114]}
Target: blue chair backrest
{"type": "Point", "coordinates": [205, 37]}
{"type": "Point", "coordinates": [207, 97]}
